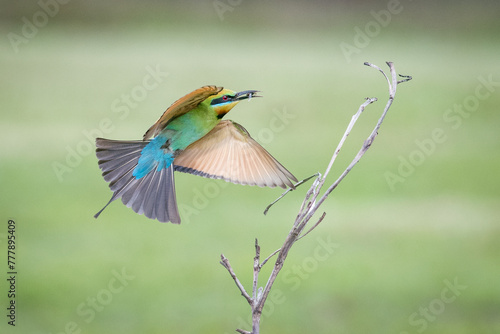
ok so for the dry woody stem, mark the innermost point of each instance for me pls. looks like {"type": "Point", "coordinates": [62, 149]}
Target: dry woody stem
{"type": "Point", "coordinates": [309, 206]}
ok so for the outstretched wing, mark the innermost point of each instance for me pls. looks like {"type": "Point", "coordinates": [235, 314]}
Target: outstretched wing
{"type": "Point", "coordinates": [180, 107]}
{"type": "Point", "coordinates": [228, 152]}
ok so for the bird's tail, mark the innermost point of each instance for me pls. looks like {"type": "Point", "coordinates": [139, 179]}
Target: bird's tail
{"type": "Point", "coordinates": [152, 195]}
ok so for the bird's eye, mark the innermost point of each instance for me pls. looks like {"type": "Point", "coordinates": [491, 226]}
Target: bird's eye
{"type": "Point", "coordinates": [224, 98]}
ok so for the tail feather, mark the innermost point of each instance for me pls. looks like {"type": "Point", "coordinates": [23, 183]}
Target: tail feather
{"type": "Point", "coordinates": [130, 194]}
{"type": "Point", "coordinates": [120, 177]}
{"type": "Point", "coordinates": [162, 191]}
{"type": "Point", "coordinates": [148, 202]}
{"type": "Point", "coordinates": [121, 164]}
{"type": "Point", "coordinates": [152, 195]}
{"type": "Point", "coordinates": [144, 196]}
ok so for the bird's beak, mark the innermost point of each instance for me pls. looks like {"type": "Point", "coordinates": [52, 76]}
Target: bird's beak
{"type": "Point", "coordinates": [247, 94]}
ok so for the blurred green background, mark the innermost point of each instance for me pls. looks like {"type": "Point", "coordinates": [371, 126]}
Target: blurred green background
{"type": "Point", "coordinates": [410, 240]}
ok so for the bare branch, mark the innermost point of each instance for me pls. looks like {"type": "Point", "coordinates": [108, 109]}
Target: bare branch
{"type": "Point", "coordinates": [309, 206]}
{"type": "Point", "coordinates": [225, 262]}
{"type": "Point", "coordinates": [368, 142]}
{"type": "Point", "coordinates": [243, 332]}
{"type": "Point", "coordinates": [406, 78]}
{"type": "Point", "coordinates": [290, 189]}
{"type": "Point", "coordinates": [346, 133]}
{"type": "Point", "coordinates": [256, 269]}
{"type": "Point", "coordinates": [306, 203]}
{"type": "Point", "coordinates": [380, 70]}
{"type": "Point", "coordinates": [270, 256]}
{"type": "Point", "coordinates": [313, 227]}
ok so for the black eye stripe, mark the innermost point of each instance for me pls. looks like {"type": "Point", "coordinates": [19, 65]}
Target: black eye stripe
{"type": "Point", "coordinates": [220, 100]}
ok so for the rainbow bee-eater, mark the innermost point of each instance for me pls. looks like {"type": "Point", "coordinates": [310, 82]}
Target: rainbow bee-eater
{"type": "Point", "coordinates": [189, 137]}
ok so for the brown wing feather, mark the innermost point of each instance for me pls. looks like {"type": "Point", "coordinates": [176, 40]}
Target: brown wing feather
{"type": "Point", "coordinates": [229, 152]}
{"type": "Point", "coordinates": [180, 107]}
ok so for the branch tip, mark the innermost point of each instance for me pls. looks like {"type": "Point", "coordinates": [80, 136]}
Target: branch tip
{"type": "Point", "coordinates": [406, 78]}
{"type": "Point", "coordinates": [241, 331]}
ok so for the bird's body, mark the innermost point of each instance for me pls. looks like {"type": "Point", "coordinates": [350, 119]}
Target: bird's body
{"type": "Point", "coordinates": [188, 128]}
{"type": "Point", "coordinates": [177, 135]}
{"type": "Point", "coordinates": [189, 137]}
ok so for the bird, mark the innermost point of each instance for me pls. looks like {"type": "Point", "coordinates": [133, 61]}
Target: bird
{"type": "Point", "coordinates": [191, 137]}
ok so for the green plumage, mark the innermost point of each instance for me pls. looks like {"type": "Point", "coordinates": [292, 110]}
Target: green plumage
{"type": "Point", "coordinates": [188, 128]}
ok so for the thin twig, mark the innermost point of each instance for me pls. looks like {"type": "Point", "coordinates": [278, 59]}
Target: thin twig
{"type": "Point", "coordinates": [312, 210]}
{"type": "Point", "coordinates": [406, 78]}
{"type": "Point", "coordinates": [225, 262]}
{"type": "Point", "coordinates": [270, 256]}
{"type": "Point", "coordinates": [346, 133]}
{"type": "Point", "coordinates": [243, 331]}
{"type": "Point", "coordinates": [313, 227]}
{"type": "Point", "coordinates": [368, 142]}
{"type": "Point", "coordinates": [381, 71]}
{"type": "Point", "coordinates": [288, 190]}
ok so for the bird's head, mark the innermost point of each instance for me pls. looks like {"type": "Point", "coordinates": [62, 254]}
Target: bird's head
{"type": "Point", "coordinates": [226, 99]}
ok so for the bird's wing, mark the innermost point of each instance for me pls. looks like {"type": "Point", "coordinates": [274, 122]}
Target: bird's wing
{"type": "Point", "coordinates": [229, 152]}
{"type": "Point", "coordinates": [180, 107]}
